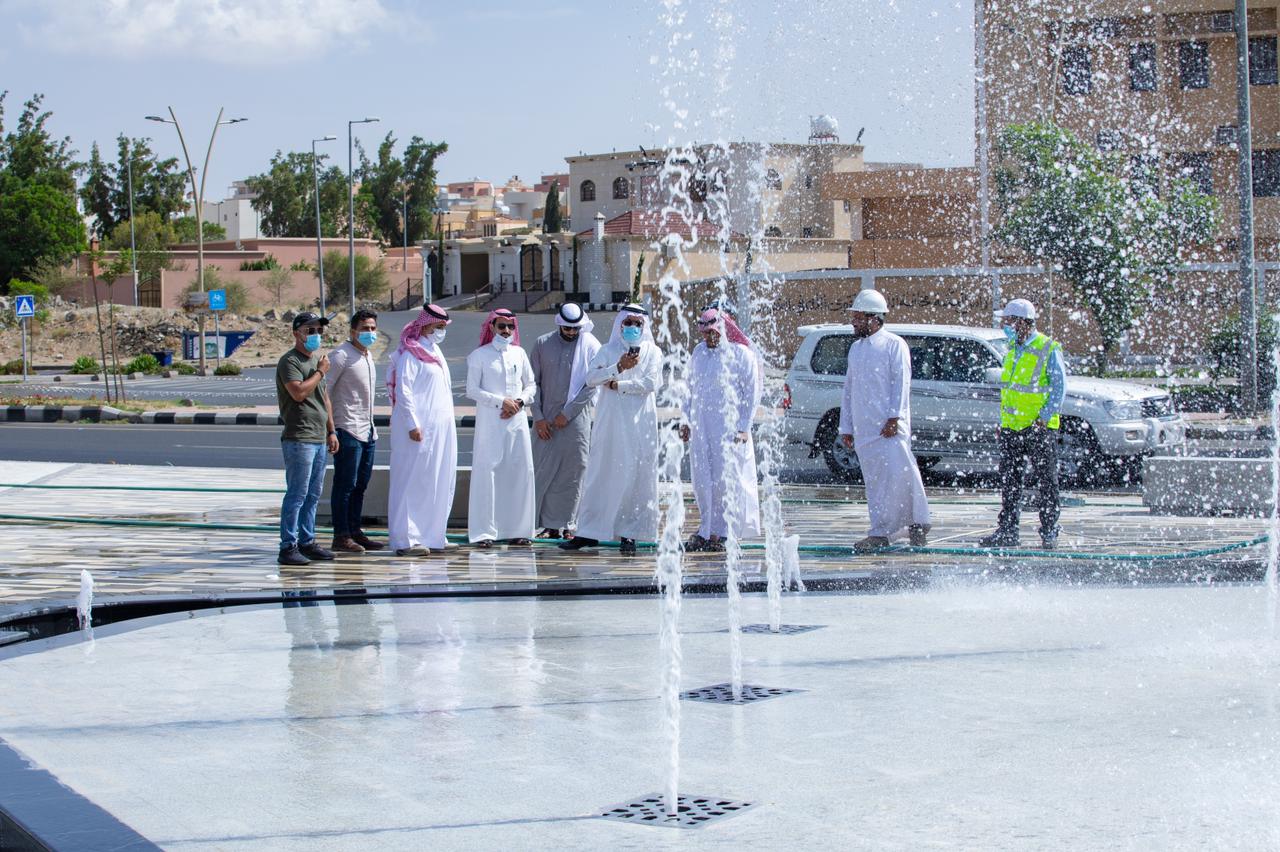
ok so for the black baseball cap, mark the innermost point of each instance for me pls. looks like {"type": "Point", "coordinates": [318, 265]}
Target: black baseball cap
{"type": "Point", "coordinates": [307, 318]}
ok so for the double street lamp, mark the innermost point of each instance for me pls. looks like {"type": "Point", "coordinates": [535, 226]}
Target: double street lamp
{"type": "Point", "coordinates": [199, 197]}
{"type": "Point", "coordinates": [315, 179]}
{"type": "Point", "coordinates": [351, 208]}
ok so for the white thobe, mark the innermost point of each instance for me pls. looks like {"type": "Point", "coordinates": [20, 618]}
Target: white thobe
{"type": "Point", "coordinates": [620, 490]}
{"type": "Point", "coordinates": [423, 473]}
{"type": "Point", "coordinates": [877, 387]}
{"type": "Point", "coordinates": [501, 502]}
{"type": "Point", "coordinates": [724, 390]}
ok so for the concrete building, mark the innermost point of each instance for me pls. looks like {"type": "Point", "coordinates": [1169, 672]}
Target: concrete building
{"type": "Point", "coordinates": [235, 213]}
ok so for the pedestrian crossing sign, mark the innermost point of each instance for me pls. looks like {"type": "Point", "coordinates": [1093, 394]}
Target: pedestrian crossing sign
{"type": "Point", "coordinates": [25, 306]}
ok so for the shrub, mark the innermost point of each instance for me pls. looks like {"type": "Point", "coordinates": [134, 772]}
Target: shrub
{"type": "Point", "coordinates": [267, 263]}
{"type": "Point", "coordinates": [13, 368]}
{"type": "Point", "coordinates": [227, 369]}
{"type": "Point", "coordinates": [1224, 353]}
{"type": "Point", "coordinates": [302, 266]}
{"type": "Point", "coordinates": [142, 364]}
{"type": "Point", "coordinates": [85, 365]}
{"type": "Point", "coordinates": [237, 295]}
{"type": "Point", "coordinates": [184, 369]}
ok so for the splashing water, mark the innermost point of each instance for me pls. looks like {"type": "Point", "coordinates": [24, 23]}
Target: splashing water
{"type": "Point", "coordinates": [1273, 531]}
{"type": "Point", "coordinates": [84, 601]}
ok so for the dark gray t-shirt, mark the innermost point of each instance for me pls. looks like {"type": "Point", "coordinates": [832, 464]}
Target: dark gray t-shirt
{"type": "Point", "coordinates": [308, 420]}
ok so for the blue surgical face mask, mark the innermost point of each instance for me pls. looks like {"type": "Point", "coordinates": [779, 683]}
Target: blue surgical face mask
{"type": "Point", "coordinates": [1009, 333]}
{"type": "Point", "coordinates": [632, 334]}
{"type": "Point", "coordinates": [367, 338]}
{"type": "Point", "coordinates": [312, 343]}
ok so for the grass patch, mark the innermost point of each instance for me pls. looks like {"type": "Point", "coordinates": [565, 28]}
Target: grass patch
{"type": "Point", "coordinates": [131, 405]}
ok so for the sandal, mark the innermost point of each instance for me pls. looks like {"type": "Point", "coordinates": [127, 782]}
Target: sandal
{"type": "Point", "coordinates": [695, 544]}
{"type": "Point", "coordinates": [519, 542]}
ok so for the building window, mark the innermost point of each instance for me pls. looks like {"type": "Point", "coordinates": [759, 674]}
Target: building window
{"type": "Point", "coordinates": [848, 207]}
{"type": "Point", "coordinates": [1198, 169]}
{"type": "Point", "coordinates": [587, 191]}
{"type": "Point", "coordinates": [808, 181]}
{"type": "Point", "coordinates": [1266, 172]}
{"type": "Point", "coordinates": [698, 190]}
{"type": "Point", "coordinates": [1223, 22]}
{"type": "Point", "coordinates": [773, 231]}
{"type": "Point", "coordinates": [1144, 174]}
{"type": "Point", "coordinates": [1262, 61]}
{"type": "Point", "coordinates": [1193, 64]}
{"type": "Point", "coordinates": [1142, 67]}
{"type": "Point", "coordinates": [806, 232]}
{"type": "Point", "coordinates": [621, 188]}
{"type": "Point", "coordinates": [1108, 140]}
{"type": "Point", "coordinates": [772, 180]}
{"type": "Point", "coordinates": [1226, 134]}
{"type": "Point", "coordinates": [1077, 71]}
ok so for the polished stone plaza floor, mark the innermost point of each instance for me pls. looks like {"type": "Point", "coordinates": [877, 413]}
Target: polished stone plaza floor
{"type": "Point", "coordinates": [974, 716]}
{"type": "Point", "coordinates": [169, 531]}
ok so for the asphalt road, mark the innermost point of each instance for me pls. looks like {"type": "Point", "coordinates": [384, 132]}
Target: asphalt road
{"type": "Point", "coordinates": [256, 385]}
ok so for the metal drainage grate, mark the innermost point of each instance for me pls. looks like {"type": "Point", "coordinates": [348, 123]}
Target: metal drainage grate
{"type": "Point", "coordinates": [788, 629]}
{"type": "Point", "coordinates": [693, 811]}
{"type": "Point", "coordinates": [722, 693]}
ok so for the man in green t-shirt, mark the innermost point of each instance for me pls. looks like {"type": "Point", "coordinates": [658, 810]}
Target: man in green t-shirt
{"type": "Point", "coordinates": [308, 433]}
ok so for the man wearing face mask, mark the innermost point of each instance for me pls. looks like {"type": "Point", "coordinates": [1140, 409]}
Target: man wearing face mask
{"type": "Point", "coordinates": [500, 380]}
{"type": "Point", "coordinates": [620, 490]}
{"type": "Point", "coordinates": [351, 381]}
{"type": "Point", "coordinates": [1033, 384]}
{"type": "Point", "coordinates": [562, 413]}
{"type": "Point", "coordinates": [308, 432]}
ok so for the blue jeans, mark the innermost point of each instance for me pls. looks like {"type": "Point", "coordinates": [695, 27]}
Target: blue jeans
{"type": "Point", "coordinates": [352, 469]}
{"type": "Point", "coordinates": [303, 482]}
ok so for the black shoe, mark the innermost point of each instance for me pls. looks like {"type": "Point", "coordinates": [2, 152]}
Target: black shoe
{"type": "Point", "coordinates": [315, 552]}
{"type": "Point", "coordinates": [999, 539]}
{"type": "Point", "coordinates": [578, 542]}
{"type": "Point", "coordinates": [1049, 542]}
{"type": "Point", "coordinates": [292, 556]}
{"type": "Point", "coordinates": [627, 547]}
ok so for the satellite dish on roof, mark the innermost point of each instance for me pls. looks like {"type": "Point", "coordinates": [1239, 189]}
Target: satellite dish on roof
{"type": "Point", "coordinates": [823, 129]}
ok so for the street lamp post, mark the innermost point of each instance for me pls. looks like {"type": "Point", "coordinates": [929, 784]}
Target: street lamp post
{"type": "Point", "coordinates": [351, 209]}
{"type": "Point", "coordinates": [405, 257]}
{"type": "Point", "coordinates": [199, 198]}
{"type": "Point", "coordinates": [315, 179]}
{"type": "Point", "coordinates": [133, 240]}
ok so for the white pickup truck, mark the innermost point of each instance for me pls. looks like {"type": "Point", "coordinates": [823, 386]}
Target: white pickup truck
{"type": "Point", "coordinates": [1107, 425]}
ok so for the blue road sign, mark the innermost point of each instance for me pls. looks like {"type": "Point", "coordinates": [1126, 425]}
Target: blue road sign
{"type": "Point", "coordinates": [217, 300]}
{"type": "Point", "coordinates": [25, 306]}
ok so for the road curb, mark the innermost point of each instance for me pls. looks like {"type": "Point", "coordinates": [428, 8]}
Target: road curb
{"type": "Point", "coordinates": [68, 413]}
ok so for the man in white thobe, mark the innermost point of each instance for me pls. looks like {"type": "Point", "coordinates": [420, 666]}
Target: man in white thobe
{"type": "Point", "coordinates": [875, 422]}
{"type": "Point", "coordinates": [500, 380]}
{"type": "Point", "coordinates": [424, 438]}
{"type": "Point", "coordinates": [724, 391]}
{"type": "Point", "coordinates": [620, 490]}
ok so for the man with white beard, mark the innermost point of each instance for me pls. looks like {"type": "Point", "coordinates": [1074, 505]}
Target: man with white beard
{"type": "Point", "coordinates": [875, 422]}
{"type": "Point", "coordinates": [562, 413]}
{"type": "Point", "coordinates": [500, 380]}
{"type": "Point", "coordinates": [724, 391]}
{"type": "Point", "coordinates": [424, 437]}
{"type": "Point", "coordinates": [620, 493]}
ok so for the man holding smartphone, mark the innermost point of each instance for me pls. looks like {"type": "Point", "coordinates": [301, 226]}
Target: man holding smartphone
{"type": "Point", "coordinates": [620, 492]}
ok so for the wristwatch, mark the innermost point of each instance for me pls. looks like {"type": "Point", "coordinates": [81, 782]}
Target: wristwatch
{"type": "Point", "coordinates": [519, 403]}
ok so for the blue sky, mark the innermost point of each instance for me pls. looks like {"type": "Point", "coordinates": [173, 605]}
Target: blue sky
{"type": "Point", "coordinates": [512, 87]}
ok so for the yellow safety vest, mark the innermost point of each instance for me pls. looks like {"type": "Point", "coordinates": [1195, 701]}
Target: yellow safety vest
{"type": "Point", "coordinates": [1024, 384]}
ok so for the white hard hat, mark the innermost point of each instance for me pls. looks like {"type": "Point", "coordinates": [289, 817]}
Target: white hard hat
{"type": "Point", "coordinates": [1018, 308]}
{"type": "Point", "coordinates": [870, 302]}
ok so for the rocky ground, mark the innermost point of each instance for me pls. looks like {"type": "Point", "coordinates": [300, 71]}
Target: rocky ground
{"type": "Point", "coordinates": [70, 332]}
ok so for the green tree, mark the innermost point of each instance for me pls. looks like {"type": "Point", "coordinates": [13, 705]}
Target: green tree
{"type": "Point", "coordinates": [30, 154]}
{"type": "Point", "coordinates": [371, 278]}
{"type": "Point", "coordinates": [380, 198]}
{"type": "Point", "coordinates": [153, 236]}
{"type": "Point", "coordinates": [97, 191]}
{"type": "Point", "coordinates": [37, 222]}
{"type": "Point", "coordinates": [184, 230]}
{"type": "Point", "coordinates": [158, 185]}
{"type": "Point", "coordinates": [1114, 239]}
{"type": "Point", "coordinates": [286, 196]}
{"type": "Point", "coordinates": [552, 222]}
{"type": "Point", "coordinates": [277, 282]}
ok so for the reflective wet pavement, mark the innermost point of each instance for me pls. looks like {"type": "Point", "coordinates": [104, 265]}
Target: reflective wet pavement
{"type": "Point", "coordinates": [138, 551]}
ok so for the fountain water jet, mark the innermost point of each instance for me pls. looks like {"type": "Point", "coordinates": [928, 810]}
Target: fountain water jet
{"type": "Point", "coordinates": [84, 601]}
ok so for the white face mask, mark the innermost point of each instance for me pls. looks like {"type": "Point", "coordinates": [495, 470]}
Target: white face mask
{"type": "Point", "coordinates": [501, 342]}
{"type": "Point", "coordinates": [437, 336]}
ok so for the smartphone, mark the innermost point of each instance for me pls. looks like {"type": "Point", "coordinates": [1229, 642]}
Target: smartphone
{"type": "Point", "coordinates": [635, 350]}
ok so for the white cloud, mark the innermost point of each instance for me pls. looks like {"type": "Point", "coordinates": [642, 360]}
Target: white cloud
{"type": "Point", "coordinates": [230, 31]}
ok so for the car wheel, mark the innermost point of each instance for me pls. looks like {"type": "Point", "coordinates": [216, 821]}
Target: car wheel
{"type": "Point", "coordinates": [1079, 458]}
{"type": "Point", "coordinates": [841, 461]}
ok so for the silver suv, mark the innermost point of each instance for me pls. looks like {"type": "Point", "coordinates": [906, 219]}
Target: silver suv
{"type": "Point", "coordinates": [1107, 425]}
